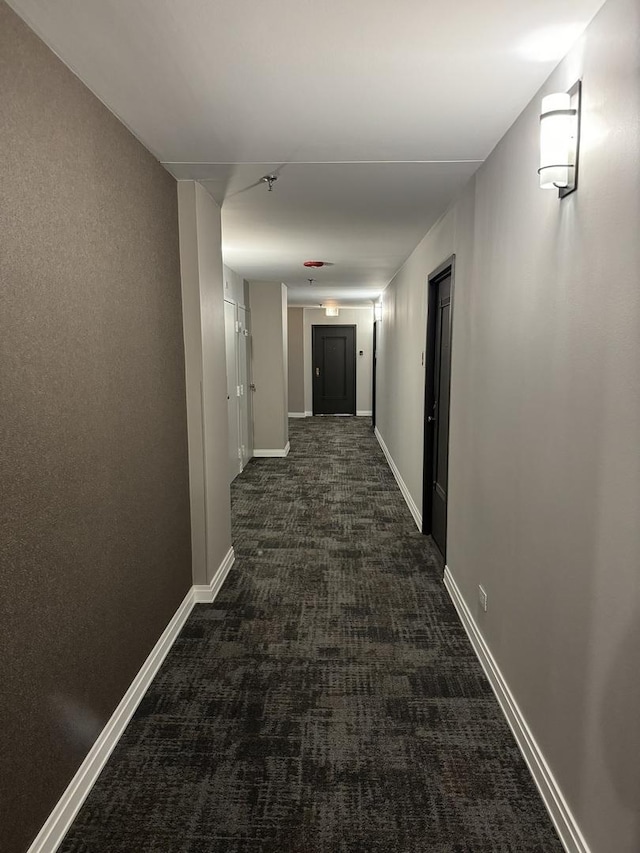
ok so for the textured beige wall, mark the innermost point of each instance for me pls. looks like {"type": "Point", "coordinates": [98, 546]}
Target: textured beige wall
{"type": "Point", "coordinates": [545, 419]}
{"type": "Point", "coordinates": [94, 498]}
{"type": "Point", "coordinates": [362, 319]}
{"type": "Point", "coordinates": [295, 359]}
{"type": "Point", "coordinates": [269, 364]}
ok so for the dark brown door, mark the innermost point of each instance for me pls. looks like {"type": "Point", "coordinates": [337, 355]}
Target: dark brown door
{"type": "Point", "coordinates": [334, 370]}
{"type": "Point", "coordinates": [437, 393]}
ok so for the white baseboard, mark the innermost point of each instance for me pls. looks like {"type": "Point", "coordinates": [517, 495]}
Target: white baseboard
{"type": "Point", "coordinates": [206, 593]}
{"type": "Point", "coordinates": [308, 414]}
{"type": "Point", "coordinates": [415, 512]}
{"type": "Point", "coordinates": [563, 820]}
{"type": "Point", "coordinates": [364, 413]}
{"type": "Point", "coordinates": [52, 833]}
{"type": "Point", "coordinates": [263, 454]}
{"type": "Point", "coordinates": [297, 414]}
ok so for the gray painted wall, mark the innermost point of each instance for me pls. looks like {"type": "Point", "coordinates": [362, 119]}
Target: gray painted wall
{"type": "Point", "coordinates": [202, 289]}
{"type": "Point", "coordinates": [295, 358]}
{"type": "Point", "coordinates": [362, 318]}
{"type": "Point", "coordinates": [94, 492]}
{"type": "Point", "coordinates": [269, 364]}
{"type": "Point", "coordinates": [545, 419]}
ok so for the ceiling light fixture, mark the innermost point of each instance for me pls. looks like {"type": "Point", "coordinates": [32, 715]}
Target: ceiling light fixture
{"type": "Point", "coordinates": [314, 263]}
{"type": "Point", "coordinates": [269, 179]}
{"type": "Point", "coordinates": [559, 141]}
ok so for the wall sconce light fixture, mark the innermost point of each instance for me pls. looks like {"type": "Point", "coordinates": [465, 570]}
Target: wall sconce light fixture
{"type": "Point", "coordinates": [377, 310]}
{"type": "Point", "coordinates": [559, 141]}
{"type": "Point", "coordinates": [331, 311]}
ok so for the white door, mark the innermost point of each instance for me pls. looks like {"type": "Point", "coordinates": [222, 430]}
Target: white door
{"type": "Point", "coordinates": [233, 390]}
{"type": "Point", "coordinates": [244, 379]}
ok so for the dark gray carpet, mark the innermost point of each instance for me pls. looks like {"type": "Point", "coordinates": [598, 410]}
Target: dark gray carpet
{"type": "Point", "coordinates": [329, 699]}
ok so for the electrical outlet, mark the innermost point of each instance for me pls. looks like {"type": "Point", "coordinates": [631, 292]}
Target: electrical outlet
{"type": "Point", "coordinates": [482, 598]}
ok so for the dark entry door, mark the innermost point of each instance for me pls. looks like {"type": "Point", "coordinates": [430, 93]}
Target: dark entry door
{"type": "Point", "coordinates": [437, 393]}
{"type": "Point", "coordinates": [334, 370]}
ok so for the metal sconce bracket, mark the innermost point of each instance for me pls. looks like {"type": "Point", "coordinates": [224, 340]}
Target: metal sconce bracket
{"type": "Point", "coordinates": [576, 94]}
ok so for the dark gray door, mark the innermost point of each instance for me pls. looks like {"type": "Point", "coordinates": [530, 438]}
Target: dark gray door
{"type": "Point", "coordinates": [334, 370]}
{"type": "Point", "coordinates": [436, 428]}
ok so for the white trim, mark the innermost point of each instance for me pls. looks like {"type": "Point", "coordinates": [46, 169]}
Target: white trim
{"type": "Point", "coordinates": [563, 820]}
{"type": "Point", "coordinates": [261, 454]}
{"type": "Point", "coordinates": [406, 494]}
{"type": "Point", "coordinates": [54, 830]}
{"type": "Point", "coordinates": [308, 414]}
{"type": "Point", "coordinates": [297, 414]}
{"type": "Point", "coordinates": [206, 593]}
{"type": "Point", "coordinates": [364, 413]}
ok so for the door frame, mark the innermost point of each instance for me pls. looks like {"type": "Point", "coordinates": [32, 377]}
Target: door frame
{"type": "Point", "coordinates": [233, 392]}
{"type": "Point", "coordinates": [355, 360]}
{"type": "Point", "coordinates": [246, 401]}
{"type": "Point", "coordinates": [374, 366]}
{"type": "Point", "coordinates": [447, 268]}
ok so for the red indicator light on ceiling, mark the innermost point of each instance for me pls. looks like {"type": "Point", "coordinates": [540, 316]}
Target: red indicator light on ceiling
{"type": "Point", "coordinates": [314, 263]}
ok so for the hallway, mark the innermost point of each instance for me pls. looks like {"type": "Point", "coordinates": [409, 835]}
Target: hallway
{"type": "Point", "coordinates": [329, 699]}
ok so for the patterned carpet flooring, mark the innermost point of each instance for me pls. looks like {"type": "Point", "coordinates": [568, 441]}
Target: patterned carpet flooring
{"type": "Point", "coordinates": [328, 700]}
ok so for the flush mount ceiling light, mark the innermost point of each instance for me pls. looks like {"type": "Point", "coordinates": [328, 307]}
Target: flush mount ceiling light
{"type": "Point", "coordinates": [559, 141]}
{"type": "Point", "coordinates": [269, 179]}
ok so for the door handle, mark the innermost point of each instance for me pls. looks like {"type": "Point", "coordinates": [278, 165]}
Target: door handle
{"type": "Point", "coordinates": [317, 371]}
{"type": "Point", "coordinates": [431, 420]}
{"type": "Point", "coordinates": [252, 386]}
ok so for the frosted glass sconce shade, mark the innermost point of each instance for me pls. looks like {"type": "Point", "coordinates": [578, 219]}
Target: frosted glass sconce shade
{"type": "Point", "coordinates": [559, 135]}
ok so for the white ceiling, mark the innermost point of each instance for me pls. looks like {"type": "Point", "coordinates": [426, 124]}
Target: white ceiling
{"type": "Point", "coordinates": [362, 218]}
{"type": "Point", "coordinates": [349, 101]}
